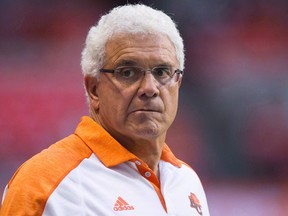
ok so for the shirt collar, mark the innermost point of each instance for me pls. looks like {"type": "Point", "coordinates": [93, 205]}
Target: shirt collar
{"type": "Point", "coordinates": [109, 151]}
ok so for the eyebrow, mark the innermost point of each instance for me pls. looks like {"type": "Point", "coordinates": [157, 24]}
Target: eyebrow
{"type": "Point", "coordinates": [164, 65]}
{"type": "Point", "coordinates": [125, 62]}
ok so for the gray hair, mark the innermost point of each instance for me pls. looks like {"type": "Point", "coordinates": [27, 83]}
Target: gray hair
{"type": "Point", "coordinates": [132, 19]}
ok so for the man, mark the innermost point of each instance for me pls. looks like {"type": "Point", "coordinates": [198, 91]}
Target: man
{"type": "Point", "coordinates": [117, 162]}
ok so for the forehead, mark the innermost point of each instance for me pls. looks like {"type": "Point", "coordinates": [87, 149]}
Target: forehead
{"type": "Point", "coordinates": [143, 49]}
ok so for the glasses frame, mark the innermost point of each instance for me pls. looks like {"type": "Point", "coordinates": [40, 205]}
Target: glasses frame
{"type": "Point", "coordinates": [104, 70]}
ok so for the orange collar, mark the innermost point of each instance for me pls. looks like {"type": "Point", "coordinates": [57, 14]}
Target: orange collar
{"type": "Point", "coordinates": [108, 150]}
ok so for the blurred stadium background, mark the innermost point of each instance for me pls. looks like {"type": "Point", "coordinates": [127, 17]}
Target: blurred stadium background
{"type": "Point", "coordinates": [232, 124]}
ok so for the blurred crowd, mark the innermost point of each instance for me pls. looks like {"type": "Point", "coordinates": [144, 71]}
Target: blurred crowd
{"type": "Point", "coordinates": [232, 123]}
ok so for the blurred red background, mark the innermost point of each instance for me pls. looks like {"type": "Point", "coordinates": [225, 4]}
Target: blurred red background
{"type": "Point", "coordinates": [232, 124]}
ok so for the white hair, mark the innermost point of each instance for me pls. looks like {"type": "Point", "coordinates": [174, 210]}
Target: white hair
{"type": "Point", "coordinates": [132, 19]}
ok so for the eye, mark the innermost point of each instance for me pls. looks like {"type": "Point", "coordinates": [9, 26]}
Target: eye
{"type": "Point", "coordinates": [161, 72]}
{"type": "Point", "coordinates": [127, 72]}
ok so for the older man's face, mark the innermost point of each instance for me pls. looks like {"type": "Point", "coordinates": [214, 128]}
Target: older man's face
{"type": "Point", "coordinates": [143, 110]}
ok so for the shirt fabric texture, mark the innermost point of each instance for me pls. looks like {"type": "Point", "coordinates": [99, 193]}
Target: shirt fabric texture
{"type": "Point", "coordinates": [90, 173]}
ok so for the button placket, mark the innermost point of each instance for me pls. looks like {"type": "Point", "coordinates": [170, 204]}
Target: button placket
{"type": "Point", "coordinates": [147, 174]}
{"type": "Point", "coordinates": [138, 163]}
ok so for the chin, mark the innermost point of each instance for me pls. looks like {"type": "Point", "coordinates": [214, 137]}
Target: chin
{"type": "Point", "coordinates": [148, 128]}
{"type": "Point", "coordinates": [147, 131]}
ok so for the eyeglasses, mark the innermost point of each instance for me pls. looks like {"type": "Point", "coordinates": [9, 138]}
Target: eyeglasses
{"type": "Point", "coordinates": [128, 75]}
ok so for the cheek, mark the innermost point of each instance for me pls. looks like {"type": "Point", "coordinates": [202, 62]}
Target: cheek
{"type": "Point", "coordinates": [171, 103]}
{"type": "Point", "coordinates": [115, 105]}
{"type": "Point", "coordinates": [173, 93]}
{"type": "Point", "coordinates": [110, 113]}
{"type": "Point", "coordinates": [110, 106]}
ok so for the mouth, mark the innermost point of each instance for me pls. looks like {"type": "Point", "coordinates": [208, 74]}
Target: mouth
{"type": "Point", "coordinates": [145, 110]}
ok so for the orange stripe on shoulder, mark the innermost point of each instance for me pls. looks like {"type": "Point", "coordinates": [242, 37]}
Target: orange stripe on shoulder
{"type": "Point", "coordinates": [37, 178]}
{"type": "Point", "coordinates": [182, 162]}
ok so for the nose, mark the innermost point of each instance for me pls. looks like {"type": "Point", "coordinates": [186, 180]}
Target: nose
{"type": "Point", "coordinates": [148, 86]}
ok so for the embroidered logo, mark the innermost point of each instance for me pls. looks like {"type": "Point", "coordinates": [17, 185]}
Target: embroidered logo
{"type": "Point", "coordinates": [194, 203]}
{"type": "Point", "coordinates": [122, 205]}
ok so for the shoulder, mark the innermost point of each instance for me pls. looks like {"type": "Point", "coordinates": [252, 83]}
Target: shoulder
{"type": "Point", "coordinates": [38, 177]}
{"type": "Point", "coordinates": [59, 157]}
{"type": "Point", "coordinates": [184, 174]}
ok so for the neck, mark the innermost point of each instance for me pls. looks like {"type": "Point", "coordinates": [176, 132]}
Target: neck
{"type": "Point", "coordinates": [148, 150]}
{"type": "Point", "coordinates": [150, 153]}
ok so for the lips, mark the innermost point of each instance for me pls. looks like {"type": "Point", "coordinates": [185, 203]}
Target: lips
{"type": "Point", "coordinates": [146, 109]}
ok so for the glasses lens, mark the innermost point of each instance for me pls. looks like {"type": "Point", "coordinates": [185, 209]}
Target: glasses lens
{"type": "Point", "coordinates": [128, 75]}
{"type": "Point", "coordinates": [162, 74]}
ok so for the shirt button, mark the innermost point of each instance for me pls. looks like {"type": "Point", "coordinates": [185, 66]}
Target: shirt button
{"type": "Point", "coordinates": [137, 162]}
{"type": "Point", "coordinates": [147, 174]}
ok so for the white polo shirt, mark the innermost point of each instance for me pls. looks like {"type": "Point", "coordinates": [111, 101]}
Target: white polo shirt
{"type": "Point", "coordinates": [90, 173]}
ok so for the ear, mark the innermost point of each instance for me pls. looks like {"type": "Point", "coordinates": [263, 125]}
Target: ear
{"type": "Point", "coordinates": [91, 85]}
{"type": "Point", "coordinates": [180, 81]}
